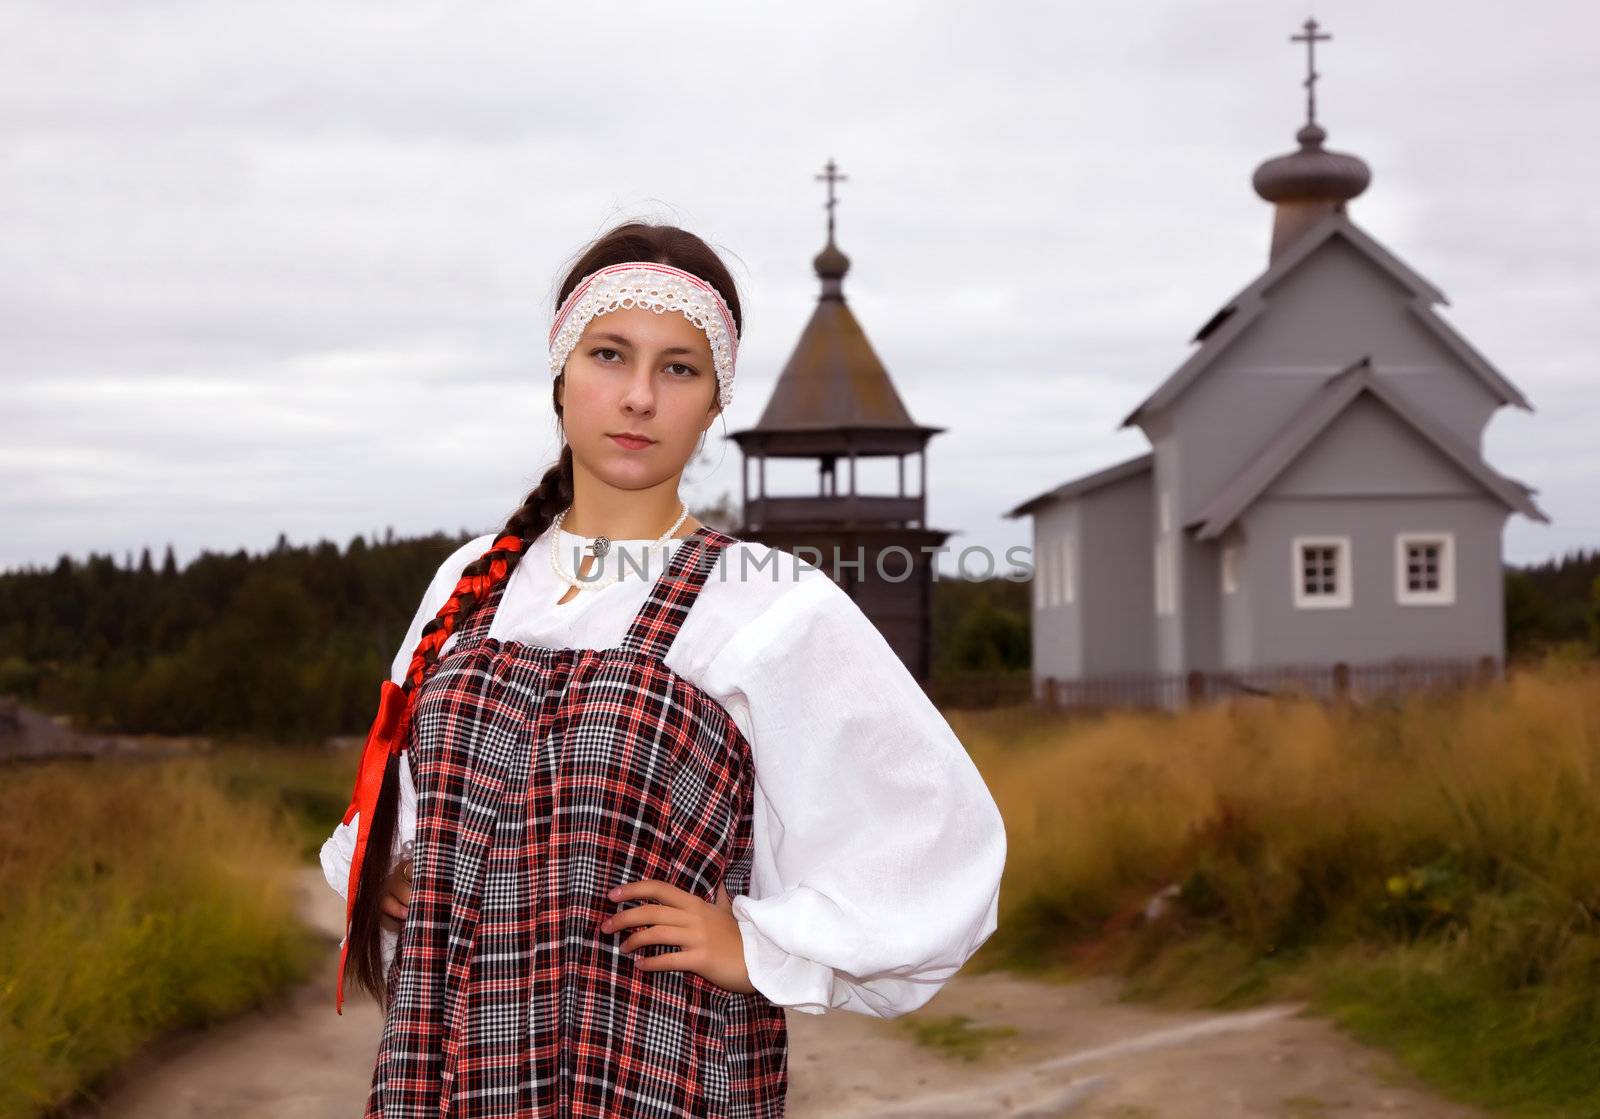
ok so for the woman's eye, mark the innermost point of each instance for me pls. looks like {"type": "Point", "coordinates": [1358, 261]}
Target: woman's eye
{"type": "Point", "coordinates": [601, 352]}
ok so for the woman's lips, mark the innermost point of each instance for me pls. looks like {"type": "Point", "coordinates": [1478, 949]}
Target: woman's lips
{"type": "Point", "coordinates": [632, 444]}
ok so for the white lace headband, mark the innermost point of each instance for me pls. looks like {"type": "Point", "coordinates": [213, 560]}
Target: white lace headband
{"type": "Point", "coordinates": [659, 287]}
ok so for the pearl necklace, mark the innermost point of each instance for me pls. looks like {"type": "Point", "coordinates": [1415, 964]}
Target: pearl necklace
{"type": "Point", "coordinates": [598, 549]}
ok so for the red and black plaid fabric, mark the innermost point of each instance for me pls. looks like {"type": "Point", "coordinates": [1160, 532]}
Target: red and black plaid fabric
{"type": "Point", "coordinates": [544, 778]}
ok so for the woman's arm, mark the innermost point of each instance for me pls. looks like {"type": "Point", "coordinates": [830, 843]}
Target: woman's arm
{"type": "Point", "coordinates": [878, 847]}
{"type": "Point", "coordinates": [339, 848]}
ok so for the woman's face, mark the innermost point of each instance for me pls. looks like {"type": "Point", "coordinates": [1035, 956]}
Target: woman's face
{"type": "Point", "coordinates": [636, 370]}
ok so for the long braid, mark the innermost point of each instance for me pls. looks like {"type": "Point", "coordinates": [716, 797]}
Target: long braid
{"type": "Point", "coordinates": [482, 575]}
{"type": "Point", "coordinates": [364, 953]}
{"type": "Point", "coordinates": [630, 241]}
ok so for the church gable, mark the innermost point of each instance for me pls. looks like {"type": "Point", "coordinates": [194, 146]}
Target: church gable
{"type": "Point", "coordinates": [1335, 300]}
{"type": "Point", "coordinates": [1368, 451]}
{"type": "Point", "coordinates": [1336, 294]}
{"type": "Point", "coordinates": [1359, 384]}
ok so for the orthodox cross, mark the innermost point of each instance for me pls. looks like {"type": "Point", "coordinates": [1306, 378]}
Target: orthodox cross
{"type": "Point", "coordinates": [832, 176]}
{"type": "Point", "coordinates": [1310, 39]}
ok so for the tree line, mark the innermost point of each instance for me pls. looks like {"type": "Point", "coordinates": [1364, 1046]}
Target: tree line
{"type": "Point", "coordinates": [292, 644]}
{"type": "Point", "coordinates": [286, 645]}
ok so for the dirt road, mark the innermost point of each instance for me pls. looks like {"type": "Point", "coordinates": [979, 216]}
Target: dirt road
{"type": "Point", "coordinates": [1076, 1052]}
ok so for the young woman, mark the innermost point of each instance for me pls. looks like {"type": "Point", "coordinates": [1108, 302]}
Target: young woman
{"type": "Point", "coordinates": [643, 786]}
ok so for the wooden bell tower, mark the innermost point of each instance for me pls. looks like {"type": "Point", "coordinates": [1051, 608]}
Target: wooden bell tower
{"type": "Point", "coordinates": [835, 404]}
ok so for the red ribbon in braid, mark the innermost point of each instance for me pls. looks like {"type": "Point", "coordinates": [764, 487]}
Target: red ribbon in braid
{"type": "Point", "coordinates": [389, 729]}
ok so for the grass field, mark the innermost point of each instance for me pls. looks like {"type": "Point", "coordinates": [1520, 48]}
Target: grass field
{"type": "Point", "coordinates": [140, 898]}
{"type": "Point", "coordinates": [1427, 872]}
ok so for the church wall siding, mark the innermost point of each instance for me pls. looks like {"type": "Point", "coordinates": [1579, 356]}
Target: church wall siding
{"type": "Point", "coordinates": [1367, 449]}
{"type": "Point", "coordinates": [1375, 626]}
{"type": "Point", "coordinates": [1117, 578]}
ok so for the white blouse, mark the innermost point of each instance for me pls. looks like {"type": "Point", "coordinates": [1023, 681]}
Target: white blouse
{"type": "Point", "coordinates": [877, 847]}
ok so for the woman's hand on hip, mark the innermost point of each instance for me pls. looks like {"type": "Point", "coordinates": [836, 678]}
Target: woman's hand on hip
{"type": "Point", "coordinates": [706, 934]}
{"type": "Point", "coordinates": [395, 897]}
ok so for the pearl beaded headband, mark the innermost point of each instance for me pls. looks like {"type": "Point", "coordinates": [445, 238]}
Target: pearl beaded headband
{"type": "Point", "coordinates": [659, 287]}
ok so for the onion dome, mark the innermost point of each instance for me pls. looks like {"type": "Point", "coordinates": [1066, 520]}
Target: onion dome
{"type": "Point", "coordinates": [1312, 174]}
{"type": "Point", "coordinates": [831, 263]}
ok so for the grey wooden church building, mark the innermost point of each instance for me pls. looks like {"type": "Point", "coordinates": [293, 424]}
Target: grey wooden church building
{"type": "Point", "coordinates": [1315, 489]}
{"type": "Point", "coordinates": [835, 407]}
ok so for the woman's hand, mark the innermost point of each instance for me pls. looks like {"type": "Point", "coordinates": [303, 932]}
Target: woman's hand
{"type": "Point", "coordinates": [707, 935]}
{"type": "Point", "coordinates": [395, 896]}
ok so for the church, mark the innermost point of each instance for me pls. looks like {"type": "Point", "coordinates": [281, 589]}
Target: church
{"type": "Point", "coordinates": [1315, 492]}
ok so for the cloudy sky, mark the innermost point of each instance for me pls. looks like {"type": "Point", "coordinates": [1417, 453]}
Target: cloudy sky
{"type": "Point", "coordinates": [288, 266]}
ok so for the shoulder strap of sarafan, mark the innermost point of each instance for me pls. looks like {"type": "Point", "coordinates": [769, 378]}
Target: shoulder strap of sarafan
{"type": "Point", "coordinates": [663, 612]}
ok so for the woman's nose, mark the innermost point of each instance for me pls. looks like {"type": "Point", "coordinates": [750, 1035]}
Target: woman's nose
{"type": "Point", "coordinates": [640, 393]}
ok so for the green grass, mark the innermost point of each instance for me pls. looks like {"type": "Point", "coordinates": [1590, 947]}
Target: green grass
{"type": "Point", "coordinates": [1525, 1053]}
{"type": "Point", "coordinates": [307, 788]}
{"type": "Point", "coordinates": [953, 1035]}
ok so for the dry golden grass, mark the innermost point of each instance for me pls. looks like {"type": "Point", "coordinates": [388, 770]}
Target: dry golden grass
{"type": "Point", "coordinates": [138, 898]}
{"type": "Point", "coordinates": [1440, 852]}
{"type": "Point", "coordinates": [1103, 811]}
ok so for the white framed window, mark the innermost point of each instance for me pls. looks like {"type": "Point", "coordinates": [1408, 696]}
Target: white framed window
{"type": "Point", "coordinates": [1425, 568]}
{"type": "Point", "coordinates": [1165, 582]}
{"type": "Point", "coordinates": [1155, 567]}
{"type": "Point", "coordinates": [1052, 578]}
{"type": "Point", "coordinates": [1041, 574]}
{"type": "Point", "coordinates": [1038, 574]}
{"type": "Point", "coordinates": [1321, 571]}
{"type": "Point", "coordinates": [1069, 588]}
{"type": "Point", "coordinates": [1165, 561]}
{"type": "Point", "coordinates": [1230, 568]}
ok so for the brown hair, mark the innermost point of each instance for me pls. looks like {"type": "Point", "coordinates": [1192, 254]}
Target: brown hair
{"type": "Point", "coordinates": [660, 244]}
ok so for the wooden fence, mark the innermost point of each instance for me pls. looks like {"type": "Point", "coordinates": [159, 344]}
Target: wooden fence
{"type": "Point", "coordinates": [974, 688]}
{"type": "Point", "coordinates": [1356, 682]}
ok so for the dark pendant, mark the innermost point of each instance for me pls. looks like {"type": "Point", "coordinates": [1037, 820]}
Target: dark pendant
{"type": "Point", "coordinates": [600, 546]}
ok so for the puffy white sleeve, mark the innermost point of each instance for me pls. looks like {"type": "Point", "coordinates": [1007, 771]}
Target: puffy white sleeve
{"type": "Point", "coordinates": [339, 848]}
{"type": "Point", "coordinates": [878, 847]}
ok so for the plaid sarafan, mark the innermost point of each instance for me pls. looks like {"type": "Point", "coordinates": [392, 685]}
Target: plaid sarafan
{"type": "Point", "coordinates": [544, 778]}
